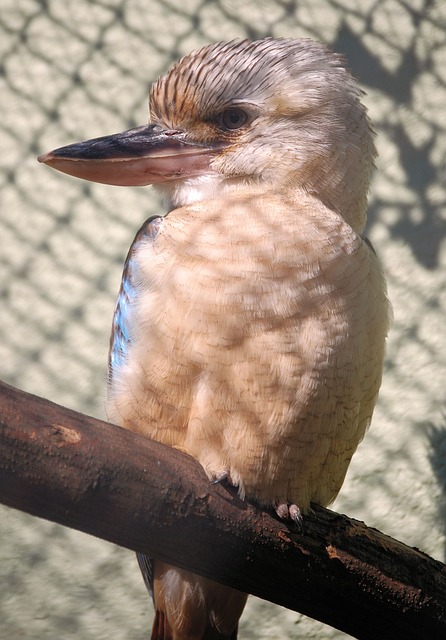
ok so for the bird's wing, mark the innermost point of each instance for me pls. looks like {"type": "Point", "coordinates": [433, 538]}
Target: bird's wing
{"type": "Point", "coordinates": [146, 566]}
{"type": "Point", "coordinates": [120, 337]}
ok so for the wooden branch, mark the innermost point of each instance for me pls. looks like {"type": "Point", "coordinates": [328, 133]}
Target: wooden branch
{"type": "Point", "coordinates": [111, 483]}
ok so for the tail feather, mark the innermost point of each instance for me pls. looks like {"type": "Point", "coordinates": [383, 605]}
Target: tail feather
{"type": "Point", "coordinates": [188, 606]}
{"type": "Point", "coordinates": [161, 629]}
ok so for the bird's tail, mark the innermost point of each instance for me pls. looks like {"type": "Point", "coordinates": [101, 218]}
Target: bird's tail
{"type": "Point", "coordinates": [162, 631]}
{"type": "Point", "coordinates": [189, 607]}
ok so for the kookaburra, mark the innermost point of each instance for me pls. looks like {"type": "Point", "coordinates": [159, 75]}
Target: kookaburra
{"type": "Point", "coordinates": [250, 326]}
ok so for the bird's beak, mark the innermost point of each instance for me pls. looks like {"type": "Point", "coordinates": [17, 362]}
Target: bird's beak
{"type": "Point", "coordinates": [137, 157]}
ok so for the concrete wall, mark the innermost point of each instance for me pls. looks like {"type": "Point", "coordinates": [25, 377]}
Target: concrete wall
{"type": "Point", "coordinates": [72, 70]}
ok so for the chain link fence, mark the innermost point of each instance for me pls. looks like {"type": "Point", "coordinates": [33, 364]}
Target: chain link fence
{"type": "Point", "coordinates": [78, 69]}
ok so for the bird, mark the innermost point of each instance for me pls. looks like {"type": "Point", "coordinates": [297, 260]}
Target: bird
{"type": "Point", "coordinates": [252, 317]}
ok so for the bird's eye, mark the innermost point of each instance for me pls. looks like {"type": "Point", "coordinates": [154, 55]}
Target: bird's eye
{"type": "Point", "coordinates": [233, 118]}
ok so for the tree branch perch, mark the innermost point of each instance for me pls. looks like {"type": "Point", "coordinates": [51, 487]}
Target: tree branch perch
{"type": "Point", "coordinates": [98, 478]}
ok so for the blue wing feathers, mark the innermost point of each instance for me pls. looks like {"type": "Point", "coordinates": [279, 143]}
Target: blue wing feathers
{"type": "Point", "coordinates": [120, 338]}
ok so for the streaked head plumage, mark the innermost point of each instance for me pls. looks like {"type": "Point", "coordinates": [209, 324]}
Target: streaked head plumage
{"type": "Point", "coordinates": [261, 72]}
{"type": "Point", "coordinates": [304, 124]}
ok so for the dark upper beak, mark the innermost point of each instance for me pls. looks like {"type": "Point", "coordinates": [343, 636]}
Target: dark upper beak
{"type": "Point", "coordinates": [136, 157]}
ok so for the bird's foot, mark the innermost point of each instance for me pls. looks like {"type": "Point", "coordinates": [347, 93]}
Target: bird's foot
{"type": "Point", "coordinates": [292, 511]}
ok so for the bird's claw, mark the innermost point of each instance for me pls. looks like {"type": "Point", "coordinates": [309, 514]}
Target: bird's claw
{"type": "Point", "coordinates": [220, 477]}
{"type": "Point", "coordinates": [292, 511]}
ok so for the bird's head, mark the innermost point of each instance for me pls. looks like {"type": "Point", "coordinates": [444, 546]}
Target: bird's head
{"type": "Point", "coordinates": [278, 114]}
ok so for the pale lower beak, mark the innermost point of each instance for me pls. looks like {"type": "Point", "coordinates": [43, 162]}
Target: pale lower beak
{"type": "Point", "coordinates": [137, 157]}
